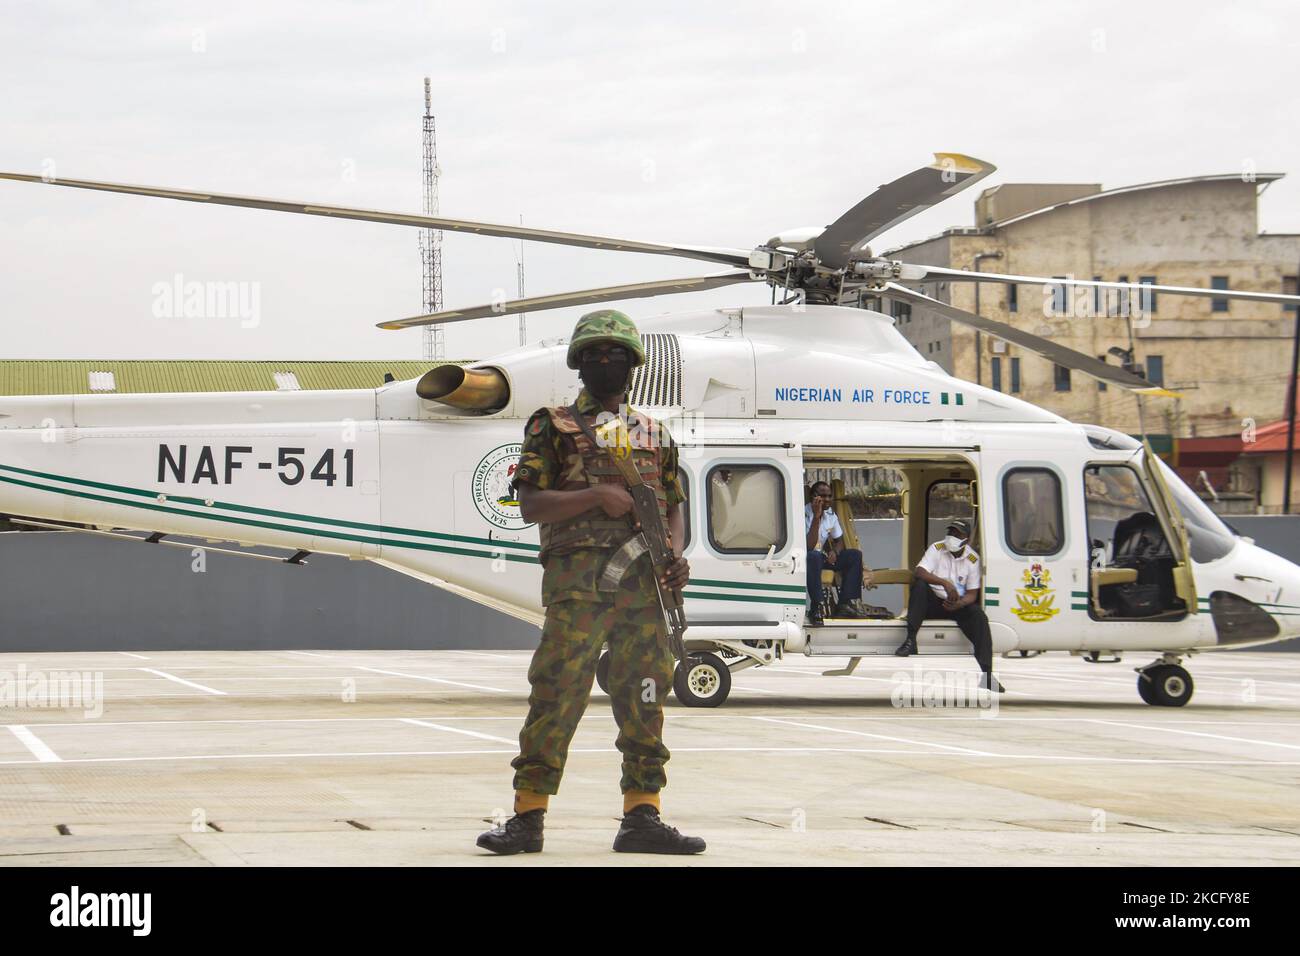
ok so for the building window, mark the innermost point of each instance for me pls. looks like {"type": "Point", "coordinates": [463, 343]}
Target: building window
{"type": "Point", "coordinates": [1061, 378]}
{"type": "Point", "coordinates": [1288, 288]}
{"type": "Point", "coordinates": [1060, 298]}
{"type": "Point", "coordinates": [1098, 298]}
{"type": "Point", "coordinates": [1121, 299]}
{"type": "Point", "coordinates": [1101, 386]}
{"type": "Point", "coordinates": [1218, 282]}
{"type": "Point", "coordinates": [1033, 519]}
{"type": "Point", "coordinates": [1015, 375]}
{"type": "Point", "coordinates": [102, 382]}
{"type": "Point", "coordinates": [746, 509]}
{"type": "Point", "coordinates": [1156, 369]}
{"type": "Point", "coordinates": [902, 312]}
{"type": "Point", "coordinates": [996, 365]}
{"type": "Point", "coordinates": [1013, 300]}
{"type": "Point", "coordinates": [1148, 297]}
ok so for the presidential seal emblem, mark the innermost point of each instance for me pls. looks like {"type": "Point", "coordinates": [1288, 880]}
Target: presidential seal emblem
{"type": "Point", "coordinates": [490, 487]}
{"type": "Point", "coordinates": [1034, 599]}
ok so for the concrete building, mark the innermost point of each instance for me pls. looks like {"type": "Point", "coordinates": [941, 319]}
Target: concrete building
{"type": "Point", "coordinates": [1229, 359]}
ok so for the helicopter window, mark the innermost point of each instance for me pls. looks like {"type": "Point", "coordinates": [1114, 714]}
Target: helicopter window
{"type": "Point", "coordinates": [746, 508]}
{"type": "Point", "coordinates": [945, 502]}
{"type": "Point", "coordinates": [1032, 511]}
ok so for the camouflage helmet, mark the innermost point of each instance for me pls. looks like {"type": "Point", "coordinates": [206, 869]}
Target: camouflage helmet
{"type": "Point", "coordinates": [605, 325]}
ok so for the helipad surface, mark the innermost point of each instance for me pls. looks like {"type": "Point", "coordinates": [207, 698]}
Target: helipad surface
{"type": "Point", "coordinates": [342, 758]}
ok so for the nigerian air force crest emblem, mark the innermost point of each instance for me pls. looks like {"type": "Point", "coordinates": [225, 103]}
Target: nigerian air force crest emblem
{"type": "Point", "coordinates": [1036, 596]}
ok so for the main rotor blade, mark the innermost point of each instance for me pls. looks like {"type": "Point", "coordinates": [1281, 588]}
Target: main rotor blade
{"type": "Point", "coordinates": [730, 257]}
{"type": "Point", "coordinates": [962, 275]}
{"type": "Point", "coordinates": [1067, 357]}
{"type": "Point", "coordinates": [893, 202]}
{"type": "Point", "coordinates": [541, 303]}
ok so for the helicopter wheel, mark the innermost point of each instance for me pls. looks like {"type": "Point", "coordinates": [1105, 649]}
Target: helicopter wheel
{"type": "Point", "coordinates": [702, 680]}
{"type": "Point", "coordinates": [1165, 685]}
{"type": "Point", "coordinates": [602, 672]}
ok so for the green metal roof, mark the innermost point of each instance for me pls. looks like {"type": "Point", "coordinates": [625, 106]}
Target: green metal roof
{"type": "Point", "coordinates": [72, 376]}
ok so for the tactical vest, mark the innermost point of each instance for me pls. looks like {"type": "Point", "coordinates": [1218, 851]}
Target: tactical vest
{"type": "Point", "coordinates": [585, 463]}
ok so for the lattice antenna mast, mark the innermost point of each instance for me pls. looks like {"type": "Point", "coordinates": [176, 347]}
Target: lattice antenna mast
{"type": "Point", "coordinates": [435, 347]}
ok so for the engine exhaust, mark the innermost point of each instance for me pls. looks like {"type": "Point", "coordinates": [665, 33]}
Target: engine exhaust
{"type": "Point", "coordinates": [472, 389]}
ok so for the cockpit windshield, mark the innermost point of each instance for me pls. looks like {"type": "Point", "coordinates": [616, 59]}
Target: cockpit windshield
{"type": "Point", "coordinates": [1207, 535]}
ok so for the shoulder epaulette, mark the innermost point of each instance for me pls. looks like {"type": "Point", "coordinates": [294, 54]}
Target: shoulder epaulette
{"type": "Point", "coordinates": [938, 546]}
{"type": "Point", "coordinates": [973, 558]}
{"type": "Point", "coordinates": [563, 420]}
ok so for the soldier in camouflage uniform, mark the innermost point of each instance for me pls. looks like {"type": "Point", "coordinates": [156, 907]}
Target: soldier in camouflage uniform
{"type": "Point", "coordinates": [571, 487]}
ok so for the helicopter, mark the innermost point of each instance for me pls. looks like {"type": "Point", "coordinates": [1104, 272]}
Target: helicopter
{"type": "Point", "coordinates": [1090, 544]}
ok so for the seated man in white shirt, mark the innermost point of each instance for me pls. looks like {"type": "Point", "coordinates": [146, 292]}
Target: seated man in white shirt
{"type": "Point", "coordinates": [826, 549]}
{"type": "Point", "coordinates": [947, 584]}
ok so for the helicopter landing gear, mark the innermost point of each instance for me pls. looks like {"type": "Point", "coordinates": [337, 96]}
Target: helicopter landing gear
{"type": "Point", "coordinates": [1165, 683]}
{"type": "Point", "coordinates": [702, 680]}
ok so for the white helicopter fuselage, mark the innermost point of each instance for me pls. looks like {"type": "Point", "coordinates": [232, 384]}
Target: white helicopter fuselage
{"type": "Point", "coordinates": [753, 397]}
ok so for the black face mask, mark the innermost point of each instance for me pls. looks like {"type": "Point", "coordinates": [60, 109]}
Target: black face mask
{"type": "Point", "coordinates": [604, 379]}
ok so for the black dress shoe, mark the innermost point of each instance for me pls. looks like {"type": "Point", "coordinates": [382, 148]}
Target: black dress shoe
{"type": "Point", "coordinates": [907, 648]}
{"type": "Point", "coordinates": [643, 832]}
{"type": "Point", "coordinates": [522, 833]}
{"type": "Point", "coordinates": [815, 618]}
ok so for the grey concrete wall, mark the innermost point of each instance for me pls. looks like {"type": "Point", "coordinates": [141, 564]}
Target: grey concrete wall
{"type": "Point", "coordinates": [65, 591]}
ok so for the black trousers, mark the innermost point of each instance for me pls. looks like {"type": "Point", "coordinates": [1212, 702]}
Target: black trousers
{"type": "Point", "coordinates": [923, 604]}
{"type": "Point", "coordinates": [848, 563]}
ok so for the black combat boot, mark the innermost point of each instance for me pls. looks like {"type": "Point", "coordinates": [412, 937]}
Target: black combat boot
{"type": "Point", "coordinates": [522, 833]}
{"type": "Point", "coordinates": [907, 648]}
{"type": "Point", "coordinates": [643, 832]}
{"type": "Point", "coordinates": [850, 609]}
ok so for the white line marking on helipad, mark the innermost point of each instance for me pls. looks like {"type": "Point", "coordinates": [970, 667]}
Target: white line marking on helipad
{"type": "Point", "coordinates": [140, 657]}
{"type": "Point", "coordinates": [1199, 761]}
{"type": "Point", "coordinates": [33, 743]}
{"type": "Point", "coordinates": [499, 657]}
{"type": "Point", "coordinates": [436, 680]}
{"type": "Point", "coordinates": [454, 730]}
{"type": "Point", "coordinates": [1196, 733]}
{"type": "Point", "coordinates": [863, 733]}
{"type": "Point", "coordinates": [328, 657]}
{"type": "Point", "coordinates": [182, 680]}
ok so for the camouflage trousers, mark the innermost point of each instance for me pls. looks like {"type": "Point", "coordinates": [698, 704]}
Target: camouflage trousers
{"type": "Point", "coordinates": [561, 673]}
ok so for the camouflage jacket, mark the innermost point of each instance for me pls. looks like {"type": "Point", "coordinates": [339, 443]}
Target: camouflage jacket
{"type": "Point", "coordinates": [548, 460]}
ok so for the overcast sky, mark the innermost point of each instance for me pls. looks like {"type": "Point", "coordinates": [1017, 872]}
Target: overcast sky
{"type": "Point", "coordinates": [692, 122]}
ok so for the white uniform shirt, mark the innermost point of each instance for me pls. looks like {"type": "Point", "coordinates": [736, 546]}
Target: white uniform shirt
{"type": "Point", "coordinates": [962, 570]}
{"type": "Point", "coordinates": [829, 528]}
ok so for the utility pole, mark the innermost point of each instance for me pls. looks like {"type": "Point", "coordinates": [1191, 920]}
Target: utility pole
{"type": "Point", "coordinates": [435, 347]}
{"type": "Point", "coordinates": [1290, 409]}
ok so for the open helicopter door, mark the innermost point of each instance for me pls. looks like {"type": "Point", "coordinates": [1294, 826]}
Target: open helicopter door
{"type": "Point", "coordinates": [1184, 582]}
{"type": "Point", "coordinates": [744, 542]}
